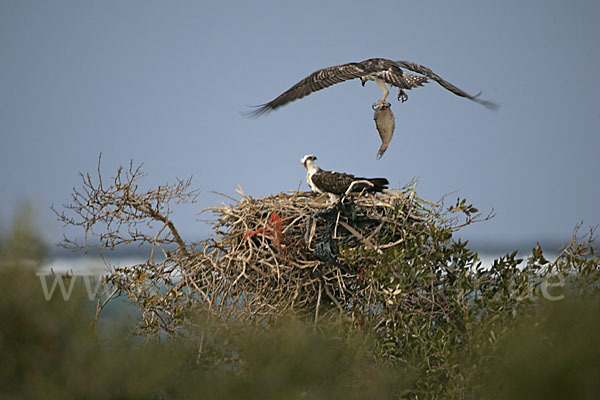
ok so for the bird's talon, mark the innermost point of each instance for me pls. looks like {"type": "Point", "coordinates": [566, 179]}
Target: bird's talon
{"type": "Point", "coordinates": [402, 96]}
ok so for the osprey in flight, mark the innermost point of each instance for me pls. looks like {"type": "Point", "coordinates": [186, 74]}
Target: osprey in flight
{"type": "Point", "coordinates": [336, 184]}
{"type": "Point", "coordinates": [380, 70]}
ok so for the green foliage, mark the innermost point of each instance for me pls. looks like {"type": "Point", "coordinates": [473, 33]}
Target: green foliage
{"type": "Point", "coordinates": [553, 354]}
{"type": "Point", "coordinates": [398, 306]}
{"type": "Point", "coordinates": [444, 314]}
{"type": "Point", "coordinates": [50, 350]}
{"type": "Point", "coordinates": [402, 309]}
{"type": "Point", "coordinates": [21, 244]}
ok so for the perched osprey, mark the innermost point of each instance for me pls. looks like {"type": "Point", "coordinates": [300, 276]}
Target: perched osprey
{"type": "Point", "coordinates": [380, 70]}
{"type": "Point", "coordinates": [336, 184]}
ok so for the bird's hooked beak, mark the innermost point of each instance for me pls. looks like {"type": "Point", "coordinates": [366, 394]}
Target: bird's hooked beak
{"type": "Point", "coordinates": [363, 81]}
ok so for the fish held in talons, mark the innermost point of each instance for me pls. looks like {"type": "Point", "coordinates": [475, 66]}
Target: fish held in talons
{"type": "Point", "coordinates": [385, 123]}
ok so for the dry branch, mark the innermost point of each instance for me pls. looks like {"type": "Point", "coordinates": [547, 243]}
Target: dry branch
{"type": "Point", "coordinates": [271, 255]}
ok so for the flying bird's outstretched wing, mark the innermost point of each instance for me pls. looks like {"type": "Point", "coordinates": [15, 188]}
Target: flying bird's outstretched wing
{"type": "Point", "coordinates": [318, 80]}
{"type": "Point", "coordinates": [379, 70]}
{"type": "Point", "coordinates": [444, 83]}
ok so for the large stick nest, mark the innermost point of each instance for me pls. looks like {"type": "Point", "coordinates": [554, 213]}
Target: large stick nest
{"type": "Point", "coordinates": [266, 256]}
{"type": "Point", "coordinates": [286, 251]}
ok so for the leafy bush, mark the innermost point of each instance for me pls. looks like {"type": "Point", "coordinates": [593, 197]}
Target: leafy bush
{"type": "Point", "coordinates": [372, 298]}
{"type": "Point", "coordinates": [552, 354]}
{"type": "Point", "coordinates": [51, 350]}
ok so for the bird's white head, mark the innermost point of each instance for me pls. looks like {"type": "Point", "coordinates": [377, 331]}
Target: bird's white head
{"type": "Point", "coordinates": [308, 161]}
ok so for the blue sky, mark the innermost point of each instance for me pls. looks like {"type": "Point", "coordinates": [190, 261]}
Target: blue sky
{"type": "Point", "coordinates": [164, 83]}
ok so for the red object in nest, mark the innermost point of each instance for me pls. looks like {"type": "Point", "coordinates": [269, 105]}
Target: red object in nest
{"type": "Point", "coordinates": [275, 226]}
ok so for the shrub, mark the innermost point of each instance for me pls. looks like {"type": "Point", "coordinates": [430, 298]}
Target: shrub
{"type": "Point", "coordinates": [386, 266]}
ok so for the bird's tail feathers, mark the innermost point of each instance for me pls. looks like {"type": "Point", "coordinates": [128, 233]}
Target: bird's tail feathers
{"type": "Point", "coordinates": [379, 184]}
